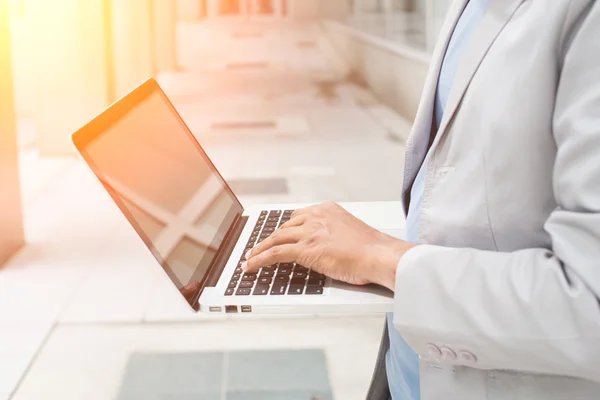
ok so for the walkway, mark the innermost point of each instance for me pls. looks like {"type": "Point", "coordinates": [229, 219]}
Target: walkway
{"type": "Point", "coordinates": [273, 108]}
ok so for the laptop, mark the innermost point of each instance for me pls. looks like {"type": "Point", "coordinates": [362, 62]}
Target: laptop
{"type": "Point", "coordinates": [192, 222]}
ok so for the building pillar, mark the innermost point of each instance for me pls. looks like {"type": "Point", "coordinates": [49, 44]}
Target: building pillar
{"type": "Point", "coordinates": [165, 35]}
{"type": "Point", "coordinates": [11, 231]}
{"type": "Point", "coordinates": [212, 8]}
{"type": "Point", "coordinates": [69, 69]}
{"type": "Point", "coordinates": [278, 8]}
{"type": "Point", "coordinates": [247, 8]}
{"type": "Point", "coordinates": [130, 44]}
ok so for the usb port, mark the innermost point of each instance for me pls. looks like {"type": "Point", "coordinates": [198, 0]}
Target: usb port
{"type": "Point", "coordinates": [230, 309]}
{"type": "Point", "coordinates": [246, 308]}
{"type": "Point", "coordinates": [215, 309]}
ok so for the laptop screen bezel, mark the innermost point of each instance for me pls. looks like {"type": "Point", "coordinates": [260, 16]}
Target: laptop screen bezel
{"type": "Point", "coordinates": [111, 116]}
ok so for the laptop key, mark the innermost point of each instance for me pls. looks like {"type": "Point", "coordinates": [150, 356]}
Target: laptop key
{"type": "Point", "coordinates": [297, 281]}
{"type": "Point", "coordinates": [282, 278]}
{"type": "Point", "coordinates": [301, 268]}
{"type": "Point", "coordinates": [315, 282]}
{"type": "Point", "coordinates": [316, 275]}
{"type": "Point", "coordinates": [264, 279]}
{"type": "Point", "coordinates": [250, 278]}
{"type": "Point", "coordinates": [266, 273]}
{"type": "Point", "coordinates": [238, 270]}
{"type": "Point", "coordinates": [243, 292]}
{"type": "Point", "coordinates": [246, 284]}
{"type": "Point", "coordinates": [296, 289]}
{"type": "Point", "coordinates": [286, 265]}
{"type": "Point", "coordinates": [233, 284]}
{"type": "Point", "coordinates": [263, 212]}
{"type": "Point", "coordinates": [261, 290]}
{"type": "Point", "coordinates": [236, 277]}
{"type": "Point", "coordinates": [271, 268]}
{"type": "Point", "coordinates": [314, 290]}
{"type": "Point", "coordinates": [284, 271]}
{"type": "Point", "coordinates": [278, 288]}
{"type": "Point", "coordinates": [229, 291]}
{"type": "Point", "coordinates": [300, 274]}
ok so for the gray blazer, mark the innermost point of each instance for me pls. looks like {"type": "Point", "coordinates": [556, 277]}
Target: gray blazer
{"type": "Point", "coordinates": [501, 301]}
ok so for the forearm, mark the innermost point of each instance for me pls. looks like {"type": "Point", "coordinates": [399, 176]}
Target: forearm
{"type": "Point", "coordinates": [515, 311]}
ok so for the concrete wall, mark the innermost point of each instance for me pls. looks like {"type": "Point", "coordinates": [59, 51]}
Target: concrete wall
{"type": "Point", "coordinates": [11, 221]}
{"type": "Point", "coordinates": [395, 74]}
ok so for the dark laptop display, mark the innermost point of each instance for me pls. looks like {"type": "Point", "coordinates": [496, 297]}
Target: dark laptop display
{"type": "Point", "coordinates": [163, 182]}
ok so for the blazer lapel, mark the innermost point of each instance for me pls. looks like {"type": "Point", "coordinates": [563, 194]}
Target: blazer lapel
{"type": "Point", "coordinates": [416, 146]}
{"type": "Point", "coordinates": [496, 17]}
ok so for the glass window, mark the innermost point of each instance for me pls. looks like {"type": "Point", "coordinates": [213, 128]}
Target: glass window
{"type": "Point", "coordinates": [414, 23]}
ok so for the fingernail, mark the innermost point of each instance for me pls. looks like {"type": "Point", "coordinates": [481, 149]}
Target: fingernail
{"type": "Point", "coordinates": [248, 254]}
{"type": "Point", "coordinates": [244, 265]}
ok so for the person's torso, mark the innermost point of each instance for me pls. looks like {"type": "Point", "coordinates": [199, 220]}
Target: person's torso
{"type": "Point", "coordinates": [402, 363]}
{"type": "Point", "coordinates": [489, 175]}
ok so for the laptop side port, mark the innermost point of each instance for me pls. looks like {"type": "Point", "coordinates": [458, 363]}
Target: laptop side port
{"type": "Point", "coordinates": [246, 308]}
{"type": "Point", "coordinates": [215, 309]}
{"type": "Point", "coordinates": [230, 309]}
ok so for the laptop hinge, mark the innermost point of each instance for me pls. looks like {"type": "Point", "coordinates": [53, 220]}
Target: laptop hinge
{"type": "Point", "coordinates": [227, 247]}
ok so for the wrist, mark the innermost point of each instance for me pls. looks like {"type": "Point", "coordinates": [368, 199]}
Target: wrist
{"type": "Point", "coordinates": [388, 256]}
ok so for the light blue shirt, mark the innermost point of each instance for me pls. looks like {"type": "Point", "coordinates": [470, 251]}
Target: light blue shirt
{"type": "Point", "coordinates": [402, 363]}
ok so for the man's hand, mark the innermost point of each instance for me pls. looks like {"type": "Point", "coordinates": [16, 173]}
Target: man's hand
{"type": "Point", "coordinates": [333, 242]}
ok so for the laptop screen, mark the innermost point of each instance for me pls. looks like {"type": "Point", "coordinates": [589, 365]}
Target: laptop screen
{"type": "Point", "coordinates": [164, 183]}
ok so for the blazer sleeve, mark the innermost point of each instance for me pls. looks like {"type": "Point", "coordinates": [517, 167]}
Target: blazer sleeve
{"type": "Point", "coordinates": [533, 310]}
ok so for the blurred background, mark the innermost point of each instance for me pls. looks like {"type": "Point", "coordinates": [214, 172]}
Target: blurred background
{"type": "Point", "coordinates": [294, 101]}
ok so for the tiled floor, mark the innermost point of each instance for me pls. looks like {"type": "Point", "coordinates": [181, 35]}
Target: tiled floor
{"type": "Point", "coordinates": [276, 374]}
{"type": "Point", "coordinates": [85, 294]}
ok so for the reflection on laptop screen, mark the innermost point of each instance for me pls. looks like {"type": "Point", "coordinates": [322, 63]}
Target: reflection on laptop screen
{"type": "Point", "coordinates": [166, 186]}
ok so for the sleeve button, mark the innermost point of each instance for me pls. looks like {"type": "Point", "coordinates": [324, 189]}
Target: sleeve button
{"type": "Point", "coordinates": [448, 354]}
{"type": "Point", "coordinates": [467, 357]}
{"type": "Point", "coordinates": [434, 352]}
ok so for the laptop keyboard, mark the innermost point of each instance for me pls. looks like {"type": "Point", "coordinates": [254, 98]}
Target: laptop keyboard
{"type": "Point", "coordinates": [274, 280]}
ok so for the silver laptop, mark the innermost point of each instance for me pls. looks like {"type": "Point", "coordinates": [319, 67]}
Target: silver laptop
{"type": "Point", "coordinates": [192, 222]}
